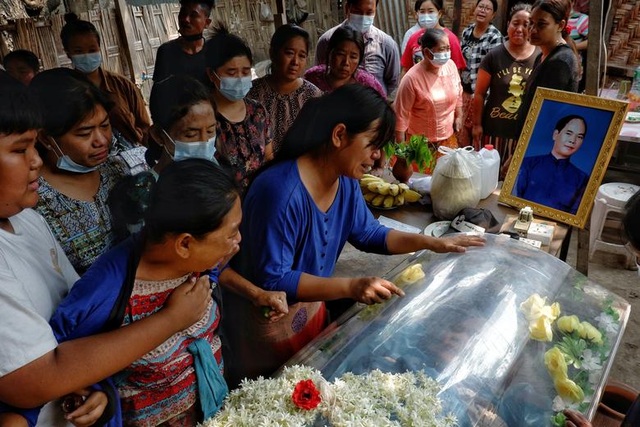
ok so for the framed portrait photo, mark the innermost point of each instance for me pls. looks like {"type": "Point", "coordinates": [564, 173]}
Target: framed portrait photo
{"type": "Point", "coordinates": [562, 154]}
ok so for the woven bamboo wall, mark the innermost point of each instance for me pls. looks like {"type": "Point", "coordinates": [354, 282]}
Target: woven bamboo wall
{"type": "Point", "coordinates": [624, 43]}
{"type": "Point", "coordinates": [42, 36]}
{"type": "Point", "coordinates": [243, 18]}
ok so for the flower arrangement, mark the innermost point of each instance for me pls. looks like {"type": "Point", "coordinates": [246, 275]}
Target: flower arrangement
{"type": "Point", "coordinates": [578, 353]}
{"type": "Point", "coordinates": [302, 397]}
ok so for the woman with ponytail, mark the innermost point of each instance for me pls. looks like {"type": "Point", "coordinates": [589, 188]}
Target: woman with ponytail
{"type": "Point", "coordinates": [180, 380]}
{"type": "Point", "coordinates": [557, 66]}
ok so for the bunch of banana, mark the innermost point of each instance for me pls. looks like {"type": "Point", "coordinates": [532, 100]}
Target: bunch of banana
{"type": "Point", "coordinates": [380, 193]}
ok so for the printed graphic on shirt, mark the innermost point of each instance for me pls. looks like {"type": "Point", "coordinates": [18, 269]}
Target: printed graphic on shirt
{"type": "Point", "coordinates": [516, 77]}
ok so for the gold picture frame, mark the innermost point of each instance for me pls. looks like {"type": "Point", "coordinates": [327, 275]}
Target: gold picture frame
{"type": "Point", "coordinates": [558, 172]}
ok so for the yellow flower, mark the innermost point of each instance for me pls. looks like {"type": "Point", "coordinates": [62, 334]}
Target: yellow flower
{"type": "Point", "coordinates": [535, 307]}
{"type": "Point", "coordinates": [568, 324]}
{"type": "Point", "coordinates": [532, 307]}
{"type": "Point", "coordinates": [591, 333]}
{"type": "Point", "coordinates": [568, 390]}
{"type": "Point", "coordinates": [541, 329]}
{"type": "Point", "coordinates": [556, 365]}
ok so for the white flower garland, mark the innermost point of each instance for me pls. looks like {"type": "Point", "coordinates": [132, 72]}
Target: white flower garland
{"type": "Point", "coordinates": [374, 399]}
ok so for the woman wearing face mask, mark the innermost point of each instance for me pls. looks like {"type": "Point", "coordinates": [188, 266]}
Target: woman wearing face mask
{"type": "Point", "coordinates": [284, 91]}
{"type": "Point", "coordinates": [185, 124]}
{"type": "Point", "coordinates": [342, 65]}
{"type": "Point", "coordinates": [429, 99]}
{"type": "Point", "coordinates": [244, 130]}
{"type": "Point", "coordinates": [78, 172]}
{"type": "Point", "coordinates": [129, 118]}
{"type": "Point", "coordinates": [477, 40]}
{"type": "Point", "coordinates": [503, 74]}
{"type": "Point", "coordinates": [429, 14]}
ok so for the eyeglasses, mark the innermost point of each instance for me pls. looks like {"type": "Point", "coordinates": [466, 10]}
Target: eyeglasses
{"type": "Point", "coordinates": [485, 8]}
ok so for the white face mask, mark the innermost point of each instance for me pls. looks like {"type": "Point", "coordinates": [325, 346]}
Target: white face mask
{"type": "Point", "coordinates": [439, 58]}
{"type": "Point", "coordinates": [361, 23]}
{"type": "Point", "coordinates": [427, 20]}
{"type": "Point", "coordinates": [193, 150]}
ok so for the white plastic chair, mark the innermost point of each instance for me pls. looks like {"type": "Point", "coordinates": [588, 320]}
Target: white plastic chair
{"type": "Point", "coordinates": [611, 197]}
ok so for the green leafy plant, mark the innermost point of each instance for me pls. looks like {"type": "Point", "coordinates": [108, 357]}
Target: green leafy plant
{"type": "Point", "coordinates": [415, 150]}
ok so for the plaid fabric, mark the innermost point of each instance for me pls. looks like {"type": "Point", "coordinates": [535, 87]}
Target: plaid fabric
{"type": "Point", "coordinates": [474, 50]}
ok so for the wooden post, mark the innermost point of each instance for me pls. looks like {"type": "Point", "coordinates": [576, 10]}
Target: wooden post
{"type": "Point", "coordinates": [594, 50]}
{"type": "Point", "coordinates": [125, 25]}
{"type": "Point", "coordinates": [457, 17]}
{"type": "Point", "coordinates": [280, 18]}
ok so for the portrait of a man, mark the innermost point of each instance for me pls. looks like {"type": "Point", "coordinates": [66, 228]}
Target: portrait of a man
{"type": "Point", "coordinates": [552, 179]}
{"type": "Point", "coordinates": [562, 154]}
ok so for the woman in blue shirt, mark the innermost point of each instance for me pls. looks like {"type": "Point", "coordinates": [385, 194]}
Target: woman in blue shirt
{"type": "Point", "coordinates": [300, 212]}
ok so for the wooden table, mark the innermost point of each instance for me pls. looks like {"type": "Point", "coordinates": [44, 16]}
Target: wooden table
{"type": "Point", "coordinates": [354, 263]}
{"type": "Point", "coordinates": [420, 216]}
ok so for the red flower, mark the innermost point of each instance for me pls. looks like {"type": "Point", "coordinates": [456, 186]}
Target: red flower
{"type": "Point", "coordinates": [306, 395]}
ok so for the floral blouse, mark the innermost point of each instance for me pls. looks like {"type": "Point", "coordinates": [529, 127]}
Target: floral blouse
{"type": "Point", "coordinates": [283, 109]}
{"type": "Point", "coordinates": [242, 145]}
{"type": "Point", "coordinates": [83, 228]}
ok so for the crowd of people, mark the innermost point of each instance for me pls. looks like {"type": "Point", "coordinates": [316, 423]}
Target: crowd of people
{"type": "Point", "coordinates": [150, 263]}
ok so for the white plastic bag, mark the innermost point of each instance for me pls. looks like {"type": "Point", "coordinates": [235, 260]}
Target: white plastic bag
{"type": "Point", "coordinates": [456, 182]}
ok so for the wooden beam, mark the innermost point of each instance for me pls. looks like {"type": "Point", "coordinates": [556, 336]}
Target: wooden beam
{"type": "Point", "coordinates": [125, 25]}
{"type": "Point", "coordinates": [280, 18]}
{"type": "Point", "coordinates": [594, 50]}
{"type": "Point", "coordinates": [457, 16]}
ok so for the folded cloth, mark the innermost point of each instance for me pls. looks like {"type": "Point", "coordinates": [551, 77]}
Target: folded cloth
{"type": "Point", "coordinates": [212, 388]}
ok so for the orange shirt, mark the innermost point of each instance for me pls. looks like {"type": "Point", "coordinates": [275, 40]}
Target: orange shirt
{"type": "Point", "coordinates": [426, 101]}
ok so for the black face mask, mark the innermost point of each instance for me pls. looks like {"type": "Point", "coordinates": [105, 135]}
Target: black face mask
{"type": "Point", "coordinates": [192, 38]}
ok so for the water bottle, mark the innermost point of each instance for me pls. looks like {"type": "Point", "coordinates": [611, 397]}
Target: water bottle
{"type": "Point", "coordinates": [634, 93]}
{"type": "Point", "coordinates": [490, 170]}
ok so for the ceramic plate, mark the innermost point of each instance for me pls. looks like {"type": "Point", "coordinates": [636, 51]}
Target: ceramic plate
{"type": "Point", "coordinates": [437, 229]}
{"type": "Point", "coordinates": [633, 117]}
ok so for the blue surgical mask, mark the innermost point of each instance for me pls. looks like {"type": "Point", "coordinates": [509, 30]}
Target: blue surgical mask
{"type": "Point", "coordinates": [65, 163]}
{"type": "Point", "coordinates": [427, 20]}
{"type": "Point", "coordinates": [440, 58]}
{"type": "Point", "coordinates": [235, 88]}
{"type": "Point", "coordinates": [361, 23]}
{"type": "Point", "coordinates": [193, 150]}
{"type": "Point", "coordinates": [87, 62]}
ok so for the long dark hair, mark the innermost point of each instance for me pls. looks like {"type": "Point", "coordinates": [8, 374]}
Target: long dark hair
{"type": "Point", "coordinates": [204, 193]}
{"type": "Point", "coordinates": [66, 97]}
{"type": "Point", "coordinates": [342, 34]}
{"type": "Point", "coordinates": [75, 26]}
{"type": "Point", "coordinates": [169, 102]}
{"type": "Point", "coordinates": [19, 111]}
{"type": "Point", "coordinates": [356, 106]}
